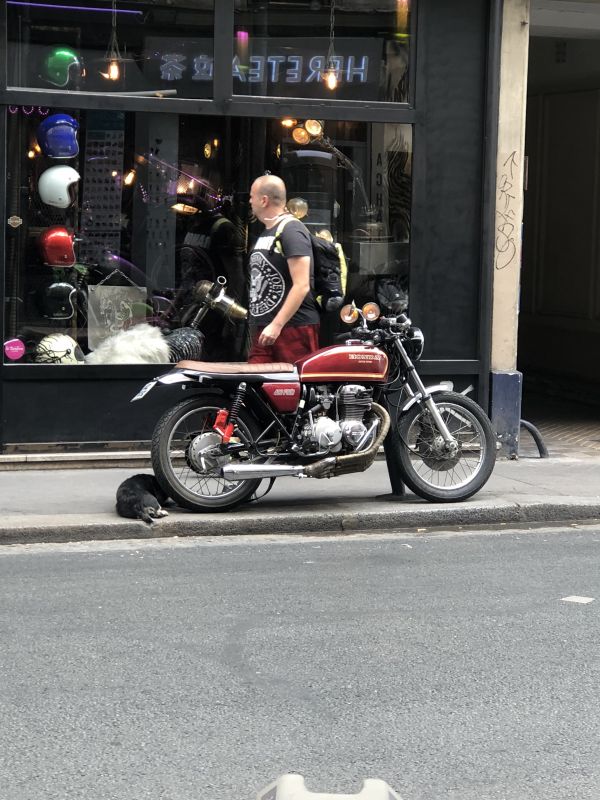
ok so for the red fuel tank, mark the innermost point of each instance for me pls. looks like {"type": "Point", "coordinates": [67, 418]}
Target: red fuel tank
{"type": "Point", "coordinates": [344, 363]}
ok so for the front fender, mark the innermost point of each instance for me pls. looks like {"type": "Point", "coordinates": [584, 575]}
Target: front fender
{"type": "Point", "coordinates": [447, 386]}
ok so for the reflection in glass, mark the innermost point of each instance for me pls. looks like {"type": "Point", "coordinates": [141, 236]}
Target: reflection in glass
{"type": "Point", "coordinates": [335, 49]}
{"type": "Point", "coordinates": [118, 231]}
{"type": "Point", "coordinates": [132, 48]}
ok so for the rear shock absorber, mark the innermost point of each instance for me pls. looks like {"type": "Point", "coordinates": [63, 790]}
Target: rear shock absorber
{"type": "Point", "coordinates": [225, 421]}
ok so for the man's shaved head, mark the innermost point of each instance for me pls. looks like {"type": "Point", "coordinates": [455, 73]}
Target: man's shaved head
{"type": "Point", "coordinates": [273, 187]}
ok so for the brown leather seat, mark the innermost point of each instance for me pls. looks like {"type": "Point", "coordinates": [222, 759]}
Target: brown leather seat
{"type": "Point", "coordinates": [234, 367]}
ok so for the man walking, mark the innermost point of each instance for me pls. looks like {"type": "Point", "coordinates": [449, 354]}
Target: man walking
{"type": "Point", "coordinates": [284, 318]}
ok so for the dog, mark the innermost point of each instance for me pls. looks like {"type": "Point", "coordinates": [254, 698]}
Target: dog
{"type": "Point", "coordinates": [140, 497]}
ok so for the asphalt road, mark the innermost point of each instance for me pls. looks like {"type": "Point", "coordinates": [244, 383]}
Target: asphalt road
{"type": "Point", "coordinates": [448, 665]}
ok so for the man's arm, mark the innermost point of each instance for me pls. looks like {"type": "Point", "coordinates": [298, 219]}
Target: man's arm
{"type": "Point", "coordinates": [300, 275]}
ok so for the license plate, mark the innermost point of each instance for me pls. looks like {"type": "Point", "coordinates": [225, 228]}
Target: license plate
{"type": "Point", "coordinates": [144, 391]}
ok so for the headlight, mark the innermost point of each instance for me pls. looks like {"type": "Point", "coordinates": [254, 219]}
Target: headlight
{"type": "Point", "coordinates": [414, 343]}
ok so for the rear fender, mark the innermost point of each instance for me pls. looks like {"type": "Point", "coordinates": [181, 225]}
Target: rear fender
{"type": "Point", "coordinates": [447, 386]}
{"type": "Point", "coordinates": [174, 376]}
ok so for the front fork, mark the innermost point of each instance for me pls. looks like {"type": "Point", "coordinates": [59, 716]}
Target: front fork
{"type": "Point", "coordinates": [426, 398]}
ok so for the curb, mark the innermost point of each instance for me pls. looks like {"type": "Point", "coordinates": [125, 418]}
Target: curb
{"type": "Point", "coordinates": [407, 517]}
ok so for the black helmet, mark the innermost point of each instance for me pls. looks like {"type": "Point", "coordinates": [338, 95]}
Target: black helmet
{"type": "Point", "coordinates": [59, 301]}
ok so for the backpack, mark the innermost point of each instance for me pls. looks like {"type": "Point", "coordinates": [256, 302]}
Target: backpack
{"type": "Point", "coordinates": [330, 269]}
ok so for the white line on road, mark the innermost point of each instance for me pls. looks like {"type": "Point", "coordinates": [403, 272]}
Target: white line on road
{"type": "Point", "coordinates": [575, 598]}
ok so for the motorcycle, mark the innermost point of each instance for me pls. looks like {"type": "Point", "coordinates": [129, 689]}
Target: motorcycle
{"type": "Point", "coordinates": [325, 416]}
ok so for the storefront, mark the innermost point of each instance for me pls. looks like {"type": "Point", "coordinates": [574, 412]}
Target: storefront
{"type": "Point", "coordinates": [132, 132]}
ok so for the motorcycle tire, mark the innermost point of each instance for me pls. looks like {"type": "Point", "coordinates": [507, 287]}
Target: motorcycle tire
{"type": "Point", "coordinates": [186, 459]}
{"type": "Point", "coordinates": [427, 470]}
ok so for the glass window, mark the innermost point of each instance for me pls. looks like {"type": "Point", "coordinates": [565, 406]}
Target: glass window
{"type": "Point", "coordinates": [336, 49]}
{"type": "Point", "coordinates": [133, 47]}
{"type": "Point", "coordinates": [114, 219]}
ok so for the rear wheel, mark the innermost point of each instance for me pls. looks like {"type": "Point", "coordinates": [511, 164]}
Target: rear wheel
{"type": "Point", "coordinates": [435, 470]}
{"type": "Point", "coordinates": [187, 458]}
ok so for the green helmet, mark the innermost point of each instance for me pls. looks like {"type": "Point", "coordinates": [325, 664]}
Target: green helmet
{"type": "Point", "coordinates": [62, 66]}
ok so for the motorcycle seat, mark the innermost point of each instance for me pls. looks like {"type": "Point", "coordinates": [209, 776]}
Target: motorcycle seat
{"type": "Point", "coordinates": [235, 367]}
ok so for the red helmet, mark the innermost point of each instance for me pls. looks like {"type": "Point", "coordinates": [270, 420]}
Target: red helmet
{"type": "Point", "coordinates": [56, 247]}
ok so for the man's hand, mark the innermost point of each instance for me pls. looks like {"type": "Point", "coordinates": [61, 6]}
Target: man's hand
{"type": "Point", "coordinates": [270, 334]}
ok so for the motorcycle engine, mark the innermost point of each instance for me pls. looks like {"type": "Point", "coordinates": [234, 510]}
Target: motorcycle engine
{"type": "Point", "coordinates": [330, 435]}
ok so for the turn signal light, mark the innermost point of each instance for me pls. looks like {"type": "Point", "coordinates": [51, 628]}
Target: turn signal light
{"type": "Point", "coordinates": [349, 314]}
{"type": "Point", "coordinates": [371, 312]}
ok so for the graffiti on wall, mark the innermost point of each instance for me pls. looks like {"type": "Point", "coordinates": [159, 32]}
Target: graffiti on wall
{"type": "Point", "coordinates": [506, 214]}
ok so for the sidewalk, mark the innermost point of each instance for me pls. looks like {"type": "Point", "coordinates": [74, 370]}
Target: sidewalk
{"type": "Point", "coordinates": [76, 505]}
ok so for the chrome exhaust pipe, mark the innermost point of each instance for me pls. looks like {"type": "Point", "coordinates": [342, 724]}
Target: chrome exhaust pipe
{"type": "Point", "coordinates": [242, 472]}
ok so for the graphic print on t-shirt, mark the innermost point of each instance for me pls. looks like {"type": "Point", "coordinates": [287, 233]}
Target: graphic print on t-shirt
{"type": "Point", "coordinates": [267, 287]}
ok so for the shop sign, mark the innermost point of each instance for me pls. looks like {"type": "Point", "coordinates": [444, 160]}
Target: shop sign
{"type": "Point", "coordinates": [283, 67]}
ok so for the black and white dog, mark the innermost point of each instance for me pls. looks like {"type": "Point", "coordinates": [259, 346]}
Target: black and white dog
{"type": "Point", "coordinates": [140, 497]}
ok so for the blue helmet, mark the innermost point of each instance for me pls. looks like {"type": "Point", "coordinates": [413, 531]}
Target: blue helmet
{"type": "Point", "coordinates": [57, 136]}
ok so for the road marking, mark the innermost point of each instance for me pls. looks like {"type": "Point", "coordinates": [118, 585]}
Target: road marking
{"type": "Point", "coordinates": [574, 598]}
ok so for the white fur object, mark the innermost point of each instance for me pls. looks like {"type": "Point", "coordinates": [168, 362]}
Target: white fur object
{"type": "Point", "coordinates": [142, 344]}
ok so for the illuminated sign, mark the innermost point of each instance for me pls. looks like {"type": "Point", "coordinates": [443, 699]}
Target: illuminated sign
{"type": "Point", "coordinates": [292, 67]}
{"type": "Point", "coordinates": [274, 69]}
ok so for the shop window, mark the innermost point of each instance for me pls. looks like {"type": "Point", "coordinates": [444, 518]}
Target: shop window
{"type": "Point", "coordinates": [323, 49]}
{"type": "Point", "coordinates": [115, 217]}
{"type": "Point", "coordinates": [118, 47]}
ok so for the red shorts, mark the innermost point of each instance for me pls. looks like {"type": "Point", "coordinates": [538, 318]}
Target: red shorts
{"type": "Point", "coordinates": [290, 345]}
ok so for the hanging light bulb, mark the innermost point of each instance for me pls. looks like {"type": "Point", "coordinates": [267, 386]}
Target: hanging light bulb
{"type": "Point", "coordinates": [330, 75]}
{"type": "Point", "coordinates": [331, 79]}
{"type": "Point", "coordinates": [129, 178]}
{"type": "Point", "coordinates": [113, 54]}
{"type": "Point", "coordinates": [114, 73]}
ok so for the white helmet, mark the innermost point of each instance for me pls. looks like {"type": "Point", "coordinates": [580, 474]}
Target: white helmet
{"type": "Point", "coordinates": [56, 185]}
{"type": "Point", "coordinates": [58, 348]}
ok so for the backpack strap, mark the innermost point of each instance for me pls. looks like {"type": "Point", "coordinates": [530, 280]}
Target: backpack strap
{"type": "Point", "coordinates": [217, 224]}
{"type": "Point", "coordinates": [277, 238]}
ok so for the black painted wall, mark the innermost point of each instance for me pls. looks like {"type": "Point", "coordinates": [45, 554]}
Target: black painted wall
{"type": "Point", "coordinates": [447, 190]}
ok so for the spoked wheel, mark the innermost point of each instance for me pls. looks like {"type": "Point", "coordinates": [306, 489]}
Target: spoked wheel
{"type": "Point", "coordinates": [436, 470]}
{"type": "Point", "coordinates": [187, 458]}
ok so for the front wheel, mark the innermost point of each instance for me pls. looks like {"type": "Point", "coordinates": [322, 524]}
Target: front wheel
{"type": "Point", "coordinates": [432, 469]}
{"type": "Point", "coordinates": [187, 457]}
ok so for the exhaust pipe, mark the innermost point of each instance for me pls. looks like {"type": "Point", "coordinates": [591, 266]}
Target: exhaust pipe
{"type": "Point", "coordinates": [325, 468]}
{"type": "Point", "coordinates": [243, 472]}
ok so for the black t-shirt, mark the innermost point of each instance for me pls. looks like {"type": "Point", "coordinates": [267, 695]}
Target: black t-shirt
{"type": "Point", "coordinates": [270, 279]}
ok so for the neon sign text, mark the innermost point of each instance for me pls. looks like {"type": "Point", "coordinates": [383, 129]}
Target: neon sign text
{"type": "Point", "coordinates": [274, 69]}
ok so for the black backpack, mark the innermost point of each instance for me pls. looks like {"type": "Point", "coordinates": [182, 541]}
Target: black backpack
{"type": "Point", "coordinates": [329, 269]}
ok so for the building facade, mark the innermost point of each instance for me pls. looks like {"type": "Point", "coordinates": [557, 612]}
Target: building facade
{"type": "Point", "coordinates": [132, 131]}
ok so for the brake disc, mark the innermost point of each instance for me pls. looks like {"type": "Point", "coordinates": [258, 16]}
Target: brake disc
{"type": "Point", "coordinates": [203, 454]}
{"type": "Point", "coordinates": [434, 451]}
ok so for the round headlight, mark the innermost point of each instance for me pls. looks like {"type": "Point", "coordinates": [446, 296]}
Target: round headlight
{"type": "Point", "coordinates": [371, 312]}
{"type": "Point", "coordinates": [349, 314]}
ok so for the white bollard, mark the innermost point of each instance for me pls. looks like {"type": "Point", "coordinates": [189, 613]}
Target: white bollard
{"type": "Point", "coordinates": [291, 787]}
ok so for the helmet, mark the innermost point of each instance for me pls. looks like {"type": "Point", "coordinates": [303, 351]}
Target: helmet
{"type": "Point", "coordinates": [56, 186]}
{"type": "Point", "coordinates": [59, 301]}
{"type": "Point", "coordinates": [56, 247]}
{"type": "Point", "coordinates": [58, 348]}
{"type": "Point", "coordinates": [61, 67]}
{"type": "Point", "coordinates": [57, 136]}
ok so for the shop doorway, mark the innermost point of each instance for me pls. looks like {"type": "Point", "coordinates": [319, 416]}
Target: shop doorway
{"type": "Point", "coordinates": [559, 324]}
